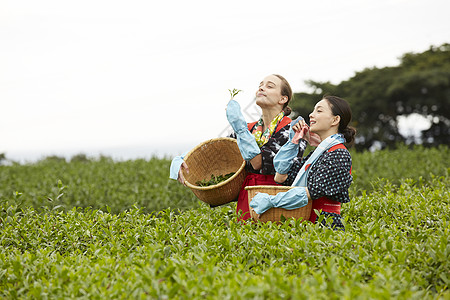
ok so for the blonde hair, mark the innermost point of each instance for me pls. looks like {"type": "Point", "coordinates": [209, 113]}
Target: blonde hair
{"type": "Point", "coordinates": [286, 90]}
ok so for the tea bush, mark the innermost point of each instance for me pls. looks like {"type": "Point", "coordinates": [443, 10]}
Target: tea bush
{"type": "Point", "coordinates": [415, 162]}
{"type": "Point", "coordinates": [97, 184]}
{"type": "Point", "coordinates": [395, 244]}
{"type": "Point", "coordinates": [104, 183]}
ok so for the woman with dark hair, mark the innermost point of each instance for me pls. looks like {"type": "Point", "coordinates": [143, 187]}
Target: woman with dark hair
{"type": "Point", "coordinates": [258, 141]}
{"type": "Point", "coordinates": [324, 175]}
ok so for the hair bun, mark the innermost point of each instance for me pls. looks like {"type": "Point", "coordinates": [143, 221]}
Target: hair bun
{"type": "Point", "coordinates": [349, 134]}
{"type": "Point", "coordinates": [287, 111]}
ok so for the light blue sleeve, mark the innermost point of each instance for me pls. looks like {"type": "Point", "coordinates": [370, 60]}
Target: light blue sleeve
{"type": "Point", "coordinates": [247, 145]}
{"type": "Point", "coordinates": [235, 117]}
{"type": "Point", "coordinates": [284, 159]}
{"type": "Point", "coordinates": [176, 165]}
{"type": "Point", "coordinates": [245, 140]}
{"type": "Point", "coordinates": [292, 199]}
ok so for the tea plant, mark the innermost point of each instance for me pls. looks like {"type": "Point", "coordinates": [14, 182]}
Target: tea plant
{"type": "Point", "coordinates": [97, 184]}
{"type": "Point", "coordinates": [96, 229]}
{"type": "Point", "coordinates": [395, 246]}
{"type": "Point", "coordinates": [417, 162]}
{"type": "Point", "coordinates": [234, 92]}
{"type": "Point", "coordinates": [122, 185]}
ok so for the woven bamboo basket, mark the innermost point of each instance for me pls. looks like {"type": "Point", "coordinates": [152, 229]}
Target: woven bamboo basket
{"type": "Point", "coordinates": [274, 214]}
{"type": "Point", "coordinates": [219, 156]}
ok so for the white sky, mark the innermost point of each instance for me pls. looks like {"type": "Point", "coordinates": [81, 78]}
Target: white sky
{"type": "Point", "coordinates": [136, 78]}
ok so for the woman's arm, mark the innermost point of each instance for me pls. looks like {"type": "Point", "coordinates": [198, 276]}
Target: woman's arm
{"type": "Point", "coordinates": [293, 164]}
{"type": "Point", "coordinates": [256, 162]}
{"type": "Point", "coordinates": [245, 140]}
{"type": "Point", "coordinates": [294, 198]}
{"type": "Point", "coordinates": [280, 178]}
{"type": "Point", "coordinates": [298, 136]}
{"type": "Point", "coordinates": [176, 166]}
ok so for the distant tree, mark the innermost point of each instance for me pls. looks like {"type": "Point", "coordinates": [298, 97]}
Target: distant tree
{"type": "Point", "coordinates": [424, 88]}
{"type": "Point", "coordinates": [2, 158]}
{"type": "Point", "coordinates": [54, 158]}
{"type": "Point", "coordinates": [80, 157]}
{"type": "Point", "coordinates": [378, 96]}
{"type": "Point", "coordinates": [105, 158]}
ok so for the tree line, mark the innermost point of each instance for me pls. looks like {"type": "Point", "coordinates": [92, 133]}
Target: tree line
{"type": "Point", "coordinates": [379, 96]}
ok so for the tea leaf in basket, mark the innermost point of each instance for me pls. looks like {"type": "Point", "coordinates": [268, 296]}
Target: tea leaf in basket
{"type": "Point", "coordinates": [214, 180]}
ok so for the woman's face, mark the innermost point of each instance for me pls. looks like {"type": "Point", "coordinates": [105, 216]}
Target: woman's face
{"type": "Point", "coordinates": [269, 92]}
{"type": "Point", "coordinates": [322, 119]}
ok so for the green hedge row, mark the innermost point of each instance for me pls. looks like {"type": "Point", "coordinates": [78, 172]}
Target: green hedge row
{"type": "Point", "coordinates": [395, 246]}
{"type": "Point", "coordinates": [145, 183]}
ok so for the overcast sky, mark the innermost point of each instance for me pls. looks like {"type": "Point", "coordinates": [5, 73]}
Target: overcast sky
{"type": "Point", "coordinates": [137, 78]}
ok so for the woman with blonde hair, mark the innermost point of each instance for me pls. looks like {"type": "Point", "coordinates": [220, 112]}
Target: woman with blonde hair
{"type": "Point", "coordinates": [258, 141]}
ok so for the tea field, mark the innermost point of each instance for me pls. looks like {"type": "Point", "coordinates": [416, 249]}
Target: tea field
{"type": "Point", "coordinates": [98, 229]}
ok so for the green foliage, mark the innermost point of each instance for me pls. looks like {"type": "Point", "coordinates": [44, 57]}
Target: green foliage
{"type": "Point", "coordinates": [123, 185]}
{"type": "Point", "coordinates": [395, 244]}
{"type": "Point", "coordinates": [234, 92]}
{"type": "Point", "coordinates": [81, 157]}
{"type": "Point", "coordinates": [119, 186]}
{"type": "Point", "coordinates": [419, 163]}
{"type": "Point", "coordinates": [54, 158]}
{"type": "Point", "coordinates": [2, 157]}
{"type": "Point", "coordinates": [419, 84]}
{"type": "Point", "coordinates": [97, 184]}
{"type": "Point", "coordinates": [214, 179]}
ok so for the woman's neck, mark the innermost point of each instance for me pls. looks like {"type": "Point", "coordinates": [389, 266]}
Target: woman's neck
{"type": "Point", "coordinates": [324, 135]}
{"type": "Point", "coordinates": [268, 115]}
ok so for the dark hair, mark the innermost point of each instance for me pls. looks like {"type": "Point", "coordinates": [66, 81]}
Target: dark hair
{"type": "Point", "coordinates": [340, 107]}
{"type": "Point", "coordinates": [285, 91]}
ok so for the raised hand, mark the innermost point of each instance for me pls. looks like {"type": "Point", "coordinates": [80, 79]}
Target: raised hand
{"type": "Point", "coordinates": [245, 140]}
{"type": "Point", "coordinates": [180, 173]}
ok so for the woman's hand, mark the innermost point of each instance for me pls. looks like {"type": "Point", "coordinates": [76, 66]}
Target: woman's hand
{"type": "Point", "coordinates": [180, 173]}
{"type": "Point", "coordinates": [301, 126]}
{"type": "Point", "coordinates": [312, 138]}
{"type": "Point", "coordinates": [298, 127]}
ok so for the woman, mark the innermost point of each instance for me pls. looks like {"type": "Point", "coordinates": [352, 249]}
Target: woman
{"type": "Point", "coordinates": [323, 176]}
{"type": "Point", "coordinates": [258, 141]}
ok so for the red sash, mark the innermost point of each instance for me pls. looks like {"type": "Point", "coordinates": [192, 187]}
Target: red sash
{"type": "Point", "coordinates": [252, 179]}
{"type": "Point", "coordinates": [324, 203]}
